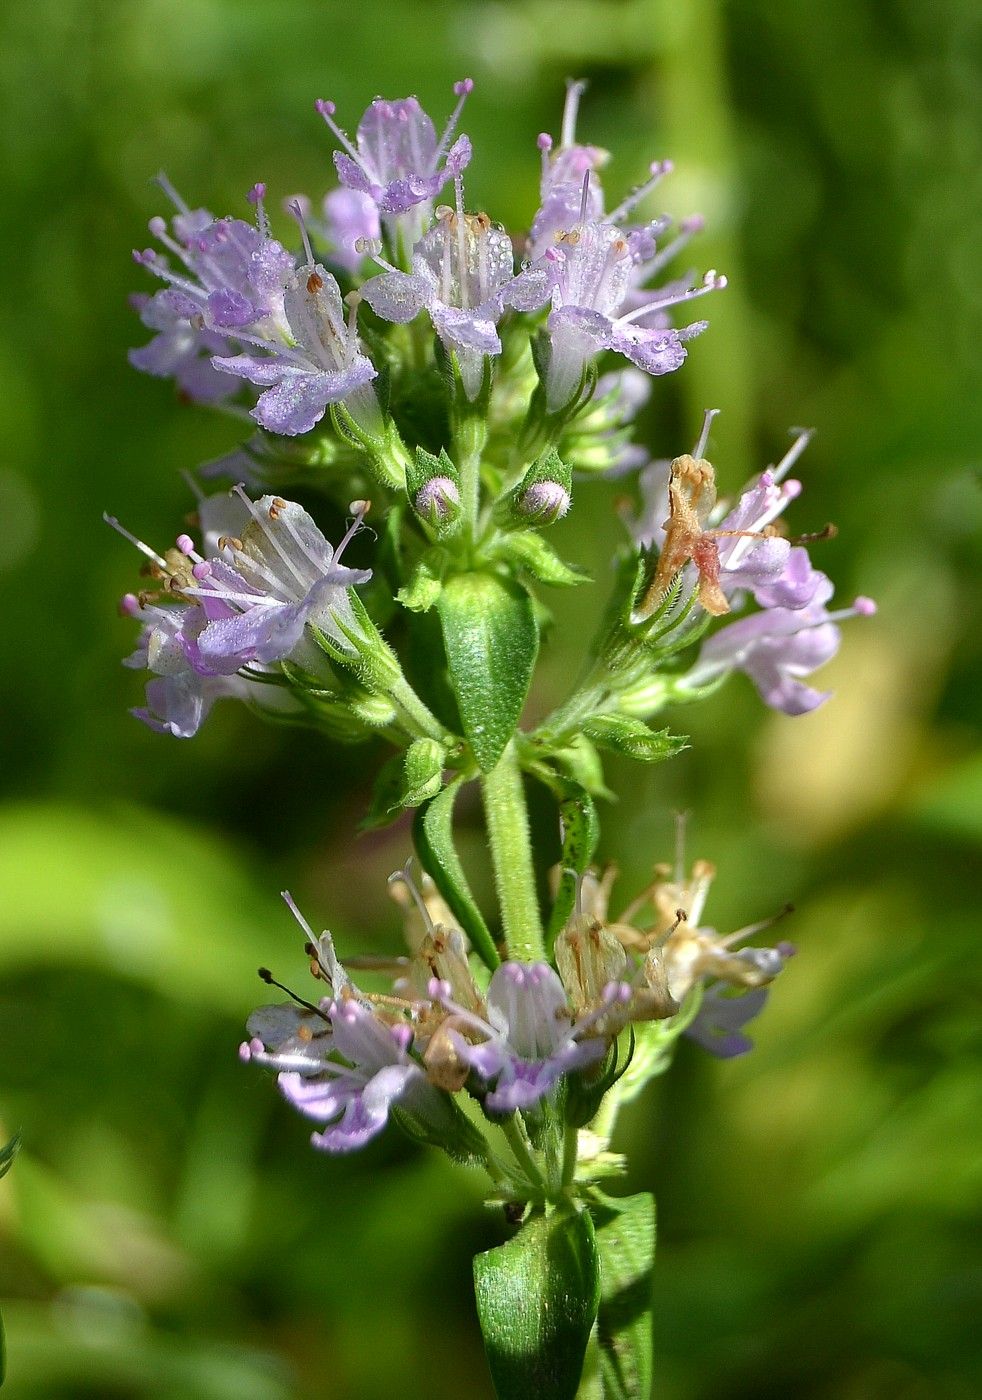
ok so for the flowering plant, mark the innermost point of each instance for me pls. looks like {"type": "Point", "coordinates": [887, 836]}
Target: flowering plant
{"type": "Point", "coordinates": [412, 360]}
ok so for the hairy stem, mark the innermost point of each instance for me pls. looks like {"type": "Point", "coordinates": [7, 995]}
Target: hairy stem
{"type": "Point", "coordinates": [511, 857]}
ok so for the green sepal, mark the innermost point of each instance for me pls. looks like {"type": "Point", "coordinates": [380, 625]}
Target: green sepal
{"type": "Point", "coordinates": [423, 765]}
{"type": "Point", "coordinates": [433, 839]}
{"type": "Point", "coordinates": [491, 640]}
{"type": "Point", "coordinates": [386, 455]}
{"type": "Point", "coordinates": [527, 549]}
{"type": "Point", "coordinates": [585, 1095]}
{"type": "Point", "coordinates": [455, 1133]}
{"type": "Point", "coordinates": [625, 1234]}
{"type": "Point", "coordinates": [537, 1299]}
{"type": "Point", "coordinates": [422, 590]}
{"type": "Point", "coordinates": [632, 737]}
{"type": "Point", "coordinates": [367, 656]}
{"type": "Point", "coordinates": [580, 827]}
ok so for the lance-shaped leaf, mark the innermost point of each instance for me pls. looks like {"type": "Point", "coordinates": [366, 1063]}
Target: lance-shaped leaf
{"type": "Point", "coordinates": [625, 1228]}
{"type": "Point", "coordinates": [537, 1298]}
{"type": "Point", "coordinates": [433, 838]}
{"type": "Point", "coordinates": [491, 640]}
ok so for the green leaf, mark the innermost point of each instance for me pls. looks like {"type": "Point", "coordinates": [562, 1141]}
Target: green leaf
{"type": "Point", "coordinates": [433, 838]}
{"type": "Point", "coordinates": [491, 640]}
{"type": "Point", "coordinates": [527, 549]}
{"type": "Point", "coordinates": [625, 1229]}
{"type": "Point", "coordinates": [632, 737]}
{"type": "Point", "coordinates": [8, 1153]}
{"type": "Point", "coordinates": [537, 1298]}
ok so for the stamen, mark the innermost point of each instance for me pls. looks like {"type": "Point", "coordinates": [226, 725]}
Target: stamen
{"type": "Point", "coordinates": [681, 823]}
{"type": "Point", "coordinates": [585, 196]}
{"type": "Point", "coordinates": [712, 282]}
{"type": "Point", "coordinates": [659, 169]}
{"type": "Point", "coordinates": [255, 197]}
{"type": "Point", "coordinates": [699, 451]}
{"type": "Point", "coordinates": [462, 90]}
{"type": "Point", "coordinates": [575, 88]}
{"type": "Point", "coordinates": [259, 518]}
{"type": "Point", "coordinates": [327, 109]}
{"type": "Point", "coordinates": [144, 549]}
{"type": "Point", "coordinates": [359, 509]}
{"type": "Point", "coordinates": [671, 250]}
{"type": "Point", "coordinates": [295, 208]}
{"type": "Point", "coordinates": [804, 437]}
{"type": "Point", "coordinates": [162, 182]}
{"type": "Point", "coordinates": [752, 930]}
{"type": "Point", "coordinates": [404, 877]}
{"type": "Point", "coordinates": [458, 185]}
{"type": "Point", "coordinates": [266, 976]}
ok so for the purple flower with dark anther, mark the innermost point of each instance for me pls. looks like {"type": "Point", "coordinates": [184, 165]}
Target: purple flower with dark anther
{"type": "Point", "coordinates": [529, 1038]}
{"type": "Point", "coordinates": [462, 270]}
{"type": "Point", "coordinates": [718, 1024]}
{"type": "Point", "coordinates": [776, 648]}
{"type": "Point", "coordinates": [338, 1062]}
{"type": "Point", "coordinates": [591, 270]}
{"type": "Point", "coordinates": [322, 365]}
{"type": "Point", "coordinates": [396, 158]}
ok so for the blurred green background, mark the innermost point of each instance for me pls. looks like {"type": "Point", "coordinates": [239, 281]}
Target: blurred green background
{"type": "Point", "coordinates": [166, 1231]}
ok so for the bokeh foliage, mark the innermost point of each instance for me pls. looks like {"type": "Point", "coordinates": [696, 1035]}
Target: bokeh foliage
{"type": "Point", "coordinates": [166, 1230]}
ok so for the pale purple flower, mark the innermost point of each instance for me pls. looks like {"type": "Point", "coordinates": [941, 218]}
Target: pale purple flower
{"type": "Point", "coordinates": [396, 158]}
{"type": "Point", "coordinates": [181, 348]}
{"type": "Point", "coordinates": [178, 697]}
{"type": "Point", "coordinates": [232, 274]}
{"type": "Point", "coordinates": [249, 604]}
{"type": "Point", "coordinates": [561, 185]}
{"type": "Point", "coordinates": [530, 1037]}
{"type": "Point", "coordinates": [338, 1062]}
{"type": "Point", "coordinates": [776, 649]}
{"type": "Point", "coordinates": [718, 1024]}
{"type": "Point", "coordinates": [590, 272]}
{"type": "Point", "coordinates": [462, 270]}
{"type": "Point", "coordinates": [321, 365]}
{"type": "Point", "coordinates": [261, 591]}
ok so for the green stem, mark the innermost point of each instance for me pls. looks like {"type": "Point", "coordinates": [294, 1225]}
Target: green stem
{"type": "Point", "coordinates": [511, 857]}
{"type": "Point", "coordinates": [419, 720]}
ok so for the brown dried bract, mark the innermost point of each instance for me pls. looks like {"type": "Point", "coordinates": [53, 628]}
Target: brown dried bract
{"type": "Point", "coordinates": [691, 497]}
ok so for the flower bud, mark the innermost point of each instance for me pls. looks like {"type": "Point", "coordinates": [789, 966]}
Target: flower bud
{"type": "Point", "coordinates": [544, 502]}
{"type": "Point", "coordinates": [437, 502]}
{"type": "Point", "coordinates": [543, 495]}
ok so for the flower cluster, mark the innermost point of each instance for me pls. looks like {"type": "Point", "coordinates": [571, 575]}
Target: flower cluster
{"type": "Point", "coordinates": [267, 584]}
{"type": "Point", "coordinates": [514, 1042]}
{"type": "Point", "coordinates": [467, 376]}
{"type": "Point", "coordinates": [238, 304]}
{"type": "Point", "coordinates": [722, 558]}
